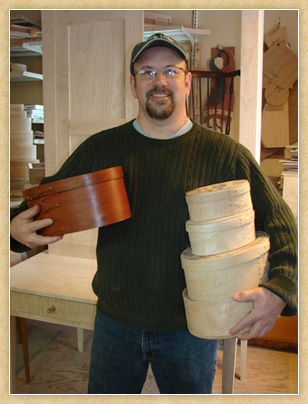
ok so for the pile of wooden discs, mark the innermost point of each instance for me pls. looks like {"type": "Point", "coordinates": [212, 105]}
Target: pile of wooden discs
{"type": "Point", "coordinates": [226, 256]}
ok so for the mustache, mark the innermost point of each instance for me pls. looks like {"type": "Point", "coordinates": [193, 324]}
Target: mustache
{"type": "Point", "coordinates": [161, 90]}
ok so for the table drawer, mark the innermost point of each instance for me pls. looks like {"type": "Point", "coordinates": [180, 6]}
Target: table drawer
{"type": "Point", "coordinates": [80, 314]}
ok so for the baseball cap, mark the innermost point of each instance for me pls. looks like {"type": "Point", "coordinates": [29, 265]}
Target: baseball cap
{"type": "Point", "coordinates": [157, 39]}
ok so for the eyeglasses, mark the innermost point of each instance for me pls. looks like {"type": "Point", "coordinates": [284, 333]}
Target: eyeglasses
{"type": "Point", "coordinates": [168, 72]}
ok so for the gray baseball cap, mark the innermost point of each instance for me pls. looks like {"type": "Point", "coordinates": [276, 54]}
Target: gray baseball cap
{"type": "Point", "coordinates": [157, 39]}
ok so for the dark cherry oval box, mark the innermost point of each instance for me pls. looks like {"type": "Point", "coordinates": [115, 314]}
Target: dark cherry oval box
{"type": "Point", "coordinates": [82, 202]}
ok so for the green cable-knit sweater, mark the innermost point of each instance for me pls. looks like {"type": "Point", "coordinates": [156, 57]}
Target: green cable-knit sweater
{"type": "Point", "coordinates": [139, 279]}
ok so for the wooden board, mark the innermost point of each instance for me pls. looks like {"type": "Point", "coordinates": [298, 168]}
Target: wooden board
{"type": "Point", "coordinates": [251, 80]}
{"type": "Point", "coordinates": [196, 61]}
{"type": "Point", "coordinates": [275, 126]}
{"type": "Point", "coordinates": [293, 114]}
{"type": "Point", "coordinates": [279, 72]}
{"type": "Point", "coordinates": [281, 34]}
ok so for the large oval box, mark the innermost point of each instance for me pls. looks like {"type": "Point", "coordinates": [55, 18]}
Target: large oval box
{"type": "Point", "coordinates": [81, 202]}
{"type": "Point", "coordinates": [213, 320]}
{"type": "Point", "coordinates": [219, 277]}
{"type": "Point", "coordinates": [219, 200]}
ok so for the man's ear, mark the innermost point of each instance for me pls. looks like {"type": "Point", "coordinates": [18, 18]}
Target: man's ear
{"type": "Point", "coordinates": [132, 80]}
{"type": "Point", "coordinates": [188, 79]}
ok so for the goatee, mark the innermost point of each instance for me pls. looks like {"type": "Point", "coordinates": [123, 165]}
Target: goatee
{"type": "Point", "coordinates": [160, 109]}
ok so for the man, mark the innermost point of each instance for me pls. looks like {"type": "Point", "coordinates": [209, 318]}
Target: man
{"type": "Point", "coordinates": [139, 282]}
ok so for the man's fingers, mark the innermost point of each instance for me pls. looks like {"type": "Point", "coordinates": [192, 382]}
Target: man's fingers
{"type": "Point", "coordinates": [246, 322]}
{"type": "Point", "coordinates": [245, 296]}
{"type": "Point", "coordinates": [38, 240]}
{"type": "Point", "coordinates": [24, 229]}
{"type": "Point", "coordinates": [40, 224]}
{"type": "Point", "coordinates": [30, 213]}
{"type": "Point", "coordinates": [266, 308]}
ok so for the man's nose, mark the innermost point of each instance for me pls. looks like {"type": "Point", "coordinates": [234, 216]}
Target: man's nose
{"type": "Point", "coordinates": [160, 78]}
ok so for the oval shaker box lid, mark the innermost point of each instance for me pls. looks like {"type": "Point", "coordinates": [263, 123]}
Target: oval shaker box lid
{"type": "Point", "coordinates": [70, 183]}
{"type": "Point", "coordinates": [218, 191]}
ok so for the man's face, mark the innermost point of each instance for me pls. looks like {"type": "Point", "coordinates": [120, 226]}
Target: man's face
{"type": "Point", "coordinates": [160, 97]}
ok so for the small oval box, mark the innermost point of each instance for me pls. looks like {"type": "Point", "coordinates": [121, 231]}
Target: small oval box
{"type": "Point", "coordinates": [221, 235]}
{"type": "Point", "coordinates": [81, 202]}
{"type": "Point", "coordinates": [217, 201]}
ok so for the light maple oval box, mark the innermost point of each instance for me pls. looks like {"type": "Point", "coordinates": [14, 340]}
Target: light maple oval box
{"type": "Point", "coordinates": [219, 277]}
{"type": "Point", "coordinates": [221, 235]}
{"type": "Point", "coordinates": [218, 200]}
{"type": "Point", "coordinates": [213, 320]}
{"type": "Point", "coordinates": [81, 202]}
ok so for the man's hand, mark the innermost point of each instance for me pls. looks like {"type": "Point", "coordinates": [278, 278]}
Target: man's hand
{"type": "Point", "coordinates": [267, 308]}
{"type": "Point", "coordinates": [24, 228]}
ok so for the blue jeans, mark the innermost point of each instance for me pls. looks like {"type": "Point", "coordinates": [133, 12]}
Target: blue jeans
{"type": "Point", "coordinates": [120, 357]}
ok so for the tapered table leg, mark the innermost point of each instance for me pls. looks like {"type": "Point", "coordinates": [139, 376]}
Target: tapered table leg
{"type": "Point", "coordinates": [228, 365]}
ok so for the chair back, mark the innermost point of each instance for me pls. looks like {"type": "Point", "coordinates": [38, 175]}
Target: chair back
{"type": "Point", "coordinates": [215, 112]}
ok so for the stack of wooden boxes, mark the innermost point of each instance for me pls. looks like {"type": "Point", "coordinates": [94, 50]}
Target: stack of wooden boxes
{"type": "Point", "coordinates": [226, 256]}
{"type": "Point", "coordinates": [22, 150]}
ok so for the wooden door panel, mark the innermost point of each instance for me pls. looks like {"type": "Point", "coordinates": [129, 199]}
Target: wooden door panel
{"type": "Point", "coordinates": [86, 75]}
{"type": "Point", "coordinates": [93, 63]}
{"type": "Point", "coordinates": [86, 68]}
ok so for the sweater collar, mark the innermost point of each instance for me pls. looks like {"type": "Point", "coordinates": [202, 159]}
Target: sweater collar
{"type": "Point", "coordinates": [184, 129]}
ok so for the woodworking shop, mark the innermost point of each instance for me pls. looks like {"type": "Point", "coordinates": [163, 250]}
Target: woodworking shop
{"type": "Point", "coordinates": [153, 201]}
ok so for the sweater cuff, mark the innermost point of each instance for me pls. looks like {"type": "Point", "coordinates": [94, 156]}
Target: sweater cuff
{"type": "Point", "coordinates": [286, 289]}
{"type": "Point", "coordinates": [15, 245]}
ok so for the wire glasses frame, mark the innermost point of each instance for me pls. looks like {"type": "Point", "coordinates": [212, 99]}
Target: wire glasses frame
{"type": "Point", "coordinates": [168, 73]}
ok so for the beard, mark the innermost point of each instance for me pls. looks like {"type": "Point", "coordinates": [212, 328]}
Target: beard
{"type": "Point", "coordinates": [160, 109]}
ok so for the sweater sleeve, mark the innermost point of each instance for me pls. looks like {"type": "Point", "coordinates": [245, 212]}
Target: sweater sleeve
{"type": "Point", "coordinates": [78, 163]}
{"type": "Point", "coordinates": [273, 216]}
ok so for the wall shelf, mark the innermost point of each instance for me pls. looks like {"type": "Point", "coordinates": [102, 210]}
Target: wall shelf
{"type": "Point", "coordinates": [25, 47]}
{"type": "Point", "coordinates": [179, 33]}
{"type": "Point", "coordinates": [19, 75]}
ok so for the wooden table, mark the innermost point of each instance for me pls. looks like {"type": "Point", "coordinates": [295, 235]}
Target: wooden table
{"type": "Point", "coordinates": [52, 288]}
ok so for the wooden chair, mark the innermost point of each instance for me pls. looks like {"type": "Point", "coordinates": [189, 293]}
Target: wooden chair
{"type": "Point", "coordinates": [215, 111]}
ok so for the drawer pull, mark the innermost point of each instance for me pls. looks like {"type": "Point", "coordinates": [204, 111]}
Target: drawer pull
{"type": "Point", "coordinates": [51, 309]}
